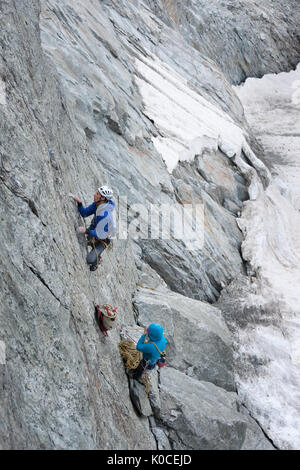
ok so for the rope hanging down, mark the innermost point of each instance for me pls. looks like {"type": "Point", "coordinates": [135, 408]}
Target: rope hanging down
{"type": "Point", "coordinates": [93, 241]}
{"type": "Point", "coordinates": [131, 356]}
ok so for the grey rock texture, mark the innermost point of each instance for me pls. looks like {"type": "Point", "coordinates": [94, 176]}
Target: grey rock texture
{"type": "Point", "coordinates": [199, 415]}
{"type": "Point", "coordinates": [187, 402]}
{"type": "Point", "coordinates": [161, 438]}
{"type": "Point", "coordinates": [106, 80]}
{"type": "Point", "coordinates": [63, 384]}
{"type": "Point", "coordinates": [245, 38]}
{"type": "Point", "coordinates": [72, 117]}
{"type": "Point", "coordinates": [139, 398]}
{"type": "Point", "coordinates": [255, 438]}
{"type": "Point", "coordinates": [216, 182]}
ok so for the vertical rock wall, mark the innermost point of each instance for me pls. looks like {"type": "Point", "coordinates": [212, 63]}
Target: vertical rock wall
{"type": "Point", "coordinates": [72, 116]}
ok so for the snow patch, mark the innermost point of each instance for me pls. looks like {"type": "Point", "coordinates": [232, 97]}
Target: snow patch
{"type": "Point", "coordinates": [271, 227]}
{"type": "Point", "coordinates": [186, 122]}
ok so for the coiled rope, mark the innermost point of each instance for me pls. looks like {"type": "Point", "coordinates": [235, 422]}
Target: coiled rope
{"type": "Point", "coordinates": [132, 357]}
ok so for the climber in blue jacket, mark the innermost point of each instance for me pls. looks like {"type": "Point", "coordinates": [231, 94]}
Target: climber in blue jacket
{"type": "Point", "coordinates": [102, 226]}
{"type": "Point", "coordinates": [152, 343]}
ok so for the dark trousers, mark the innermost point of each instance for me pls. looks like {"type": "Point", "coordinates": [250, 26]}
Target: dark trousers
{"type": "Point", "coordinates": [140, 369]}
{"type": "Point", "coordinates": [96, 252]}
{"type": "Point", "coordinates": [143, 365]}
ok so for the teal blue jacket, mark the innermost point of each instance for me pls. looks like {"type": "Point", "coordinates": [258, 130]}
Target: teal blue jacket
{"type": "Point", "coordinates": [150, 352]}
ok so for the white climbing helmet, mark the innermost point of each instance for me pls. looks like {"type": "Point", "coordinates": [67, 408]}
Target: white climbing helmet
{"type": "Point", "coordinates": [106, 192]}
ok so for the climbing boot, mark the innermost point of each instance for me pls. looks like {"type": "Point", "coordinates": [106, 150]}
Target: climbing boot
{"type": "Point", "coordinates": [93, 267]}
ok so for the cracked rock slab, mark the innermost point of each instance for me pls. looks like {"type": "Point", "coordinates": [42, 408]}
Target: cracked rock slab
{"type": "Point", "coordinates": [199, 415]}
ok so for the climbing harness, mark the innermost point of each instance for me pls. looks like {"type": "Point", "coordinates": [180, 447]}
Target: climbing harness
{"type": "Point", "coordinates": [99, 259]}
{"type": "Point", "coordinates": [162, 361]}
{"type": "Point", "coordinates": [103, 242]}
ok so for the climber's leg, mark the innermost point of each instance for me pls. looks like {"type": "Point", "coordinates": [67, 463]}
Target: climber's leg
{"type": "Point", "coordinates": [140, 369]}
{"type": "Point", "coordinates": [95, 254]}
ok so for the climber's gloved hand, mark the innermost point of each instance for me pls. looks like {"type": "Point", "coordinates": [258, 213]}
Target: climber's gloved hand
{"type": "Point", "coordinates": [81, 230]}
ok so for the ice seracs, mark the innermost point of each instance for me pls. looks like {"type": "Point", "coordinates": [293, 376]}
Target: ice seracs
{"type": "Point", "coordinates": [271, 226]}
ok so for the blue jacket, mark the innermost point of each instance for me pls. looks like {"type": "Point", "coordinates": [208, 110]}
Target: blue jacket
{"type": "Point", "coordinates": [155, 335]}
{"type": "Point", "coordinates": [102, 226]}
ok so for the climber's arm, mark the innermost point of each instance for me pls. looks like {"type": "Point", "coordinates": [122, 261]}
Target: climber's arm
{"type": "Point", "coordinates": [144, 347]}
{"type": "Point", "coordinates": [86, 211]}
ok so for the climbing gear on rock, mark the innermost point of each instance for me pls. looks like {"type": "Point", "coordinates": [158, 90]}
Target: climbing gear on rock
{"type": "Point", "coordinates": [99, 320]}
{"type": "Point", "coordinates": [105, 317]}
{"type": "Point", "coordinates": [105, 191]}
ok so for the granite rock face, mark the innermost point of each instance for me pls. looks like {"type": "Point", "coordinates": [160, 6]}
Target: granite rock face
{"type": "Point", "coordinates": [102, 90]}
{"type": "Point", "coordinates": [62, 385]}
{"type": "Point", "coordinates": [187, 402]}
{"type": "Point", "coordinates": [73, 116]}
{"type": "Point", "coordinates": [245, 38]}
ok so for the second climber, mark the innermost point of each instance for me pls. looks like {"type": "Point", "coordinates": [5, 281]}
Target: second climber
{"type": "Point", "coordinates": [152, 344]}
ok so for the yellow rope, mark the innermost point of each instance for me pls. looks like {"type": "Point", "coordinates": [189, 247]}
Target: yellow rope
{"type": "Point", "coordinates": [132, 357]}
